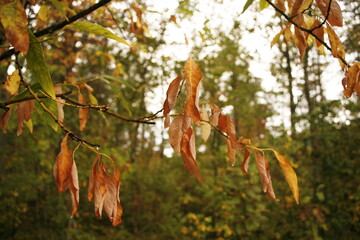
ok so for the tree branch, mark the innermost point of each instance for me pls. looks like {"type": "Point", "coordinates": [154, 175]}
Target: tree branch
{"type": "Point", "coordinates": [59, 26]}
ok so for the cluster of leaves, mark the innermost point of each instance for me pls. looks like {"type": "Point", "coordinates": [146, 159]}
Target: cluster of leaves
{"type": "Point", "coordinates": [310, 24]}
{"type": "Point", "coordinates": [182, 134]}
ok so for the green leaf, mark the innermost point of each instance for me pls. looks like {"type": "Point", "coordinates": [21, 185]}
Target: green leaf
{"type": "Point", "coordinates": [120, 95]}
{"type": "Point", "coordinates": [52, 106]}
{"type": "Point", "coordinates": [25, 93]}
{"type": "Point", "coordinates": [247, 5]}
{"type": "Point", "coordinates": [62, 8]}
{"type": "Point", "coordinates": [263, 4]}
{"type": "Point", "coordinates": [94, 101]}
{"type": "Point", "coordinates": [37, 66]}
{"type": "Point", "coordinates": [97, 30]}
{"type": "Point", "coordinates": [119, 80]}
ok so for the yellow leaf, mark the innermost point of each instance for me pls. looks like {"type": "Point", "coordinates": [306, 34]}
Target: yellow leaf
{"type": "Point", "coordinates": [290, 175]}
{"type": "Point", "coordinates": [205, 127]}
{"type": "Point", "coordinates": [336, 45]}
{"type": "Point", "coordinates": [12, 83]}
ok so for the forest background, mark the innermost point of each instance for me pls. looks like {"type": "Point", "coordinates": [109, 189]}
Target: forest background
{"type": "Point", "coordinates": [300, 113]}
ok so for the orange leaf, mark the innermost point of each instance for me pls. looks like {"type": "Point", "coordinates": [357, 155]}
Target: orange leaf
{"type": "Point", "coordinates": [264, 172]}
{"type": "Point", "coordinates": [66, 175]}
{"type": "Point", "coordinates": [300, 42]}
{"type": "Point", "coordinates": [335, 16]}
{"type": "Point", "coordinates": [336, 45]}
{"type": "Point", "coordinates": [175, 133]}
{"type": "Point", "coordinates": [296, 7]}
{"type": "Point", "coordinates": [171, 96]}
{"type": "Point", "coordinates": [24, 113]}
{"type": "Point", "coordinates": [351, 81]}
{"type": "Point", "coordinates": [290, 175]}
{"type": "Point", "coordinates": [4, 119]}
{"type": "Point", "coordinates": [188, 153]}
{"type": "Point", "coordinates": [193, 76]}
{"type": "Point", "coordinates": [319, 32]}
{"type": "Point", "coordinates": [14, 21]}
{"type": "Point", "coordinates": [83, 112]}
{"type": "Point", "coordinates": [245, 164]}
{"type": "Point", "coordinates": [231, 152]}
{"type": "Point", "coordinates": [226, 125]}
{"type": "Point", "coordinates": [215, 113]}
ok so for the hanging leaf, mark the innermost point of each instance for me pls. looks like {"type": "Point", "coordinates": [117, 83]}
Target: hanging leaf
{"type": "Point", "coordinates": [205, 126]}
{"type": "Point", "coordinates": [290, 175]}
{"type": "Point", "coordinates": [231, 152]}
{"type": "Point", "coordinates": [66, 175]}
{"type": "Point", "coordinates": [245, 164]}
{"type": "Point", "coordinates": [188, 153]}
{"type": "Point", "coordinates": [335, 16]}
{"type": "Point", "coordinates": [226, 125]}
{"type": "Point", "coordinates": [263, 4]}
{"type": "Point", "coordinates": [60, 103]}
{"type": "Point", "coordinates": [171, 95]}
{"type": "Point", "coordinates": [14, 22]}
{"type": "Point", "coordinates": [97, 30]}
{"type": "Point", "coordinates": [296, 7]}
{"type": "Point", "coordinates": [12, 83]}
{"type": "Point", "coordinates": [351, 81]}
{"type": "Point", "coordinates": [37, 66]}
{"type": "Point", "coordinates": [319, 32]}
{"type": "Point", "coordinates": [336, 45]}
{"type": "Point", "coordinates": [62, 8]}
{"type": "Point", "coordinates": [4, 119]}
{"type": "Point", "coordinates": [176, 133]}
{"type": "Point", "coordinates": [83, 112]}
{"type": "Point", "coordinates": [24, 110]}
{"type": "Point", "coordinates": [193, 76]}
{"type": "Point", "coordinates": [300, 42]}
{"type": "Point", "coordinates": [247, 5]}
{"type": "Point", "coordinates": [53, 107]}
{"type": "Point", "coordinates": [215, 113]}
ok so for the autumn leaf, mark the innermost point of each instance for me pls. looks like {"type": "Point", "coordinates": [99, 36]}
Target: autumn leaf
{"type": "Point", "coordinates": [300, 42]}
{"type": "Point", "coordinates": [335, 16]}
{"type": "Point", "coordinates": [193, 76]}
{"type": "Point", "coordinates": [171, 95]}
{"type": "Point", "coordinates": [60, 103]}
{"type": "Point", "coordinates": [290, 175]}
{"type": "Point", "coordinates": [231, 152]}
{"type": "Point", "coordinates": [176, 133]}
{"type": "Point", "coordinates": [264, 172]}
{"type": "Point", "coordinates": [14, 21]}
{"type": "Point", "coordinates": [66, 175]}
{"type": "Point", "coordinates": [24, 110]}
{"type": "Point", "coordinates": [226, 125]}
{"type": "Point", "coordinates": [296, 7]}
{"type": "Point", "coordinates": [188, 153]}
{"type": "Point", "coordinates": [4, 119]}
{"type": "Point", "coordinates": [336, 45]}
{"type": "Point", "coordinates": [205, 126]}
{"type": "Point", "coordinates": [245, 164]}
{"type": "Point", "coordinates": [12, 83]}
{"type": "Point", "coordinates": [319, 32]}
{"type": "Point", "coordinates": [351, 81]}
{"type": "Point", "coordinates": [215, 113]}
{"type": "Point", "coordinates": [83, 112]}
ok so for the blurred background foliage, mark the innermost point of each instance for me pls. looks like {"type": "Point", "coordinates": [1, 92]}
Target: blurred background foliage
{"type": "Point", "coordinates": [161, 200]}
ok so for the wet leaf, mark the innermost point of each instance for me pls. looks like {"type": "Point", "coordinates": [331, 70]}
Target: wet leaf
{"type": "Point", "coordinates": [12, 83]}
{"type": "Point", "coordinates": [335, 16]}
{"type": "Point", "coordinates": [290, 175]}
{"type": "Point", "coordinates": [171, 95]}
{"type": "Point", "coordinates": [14, 22]}
{"type": "Point", "coordinates": [188, 153]}
{"type": "Point", "coordinates": [193, 76]}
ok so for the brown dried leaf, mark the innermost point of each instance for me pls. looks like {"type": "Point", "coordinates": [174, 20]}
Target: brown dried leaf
{"type": "Point", "coordinates": [24, 113]}
{"type": "Point", "coordinates": [171, 95]}
{"type": "Point", "coordinates": [335, 16]}
{"type": "Point", "coordinates": [296, 7]}
{"type": "Point", "coordinates": [231, 152]}
{"type": "Point", "coordinates": [245, 164]}
{"type": "Point", "coordinates": [83, 112]}
{"type": "Point", "coordinates": [193, 76]}
{"type": "Point", "coordinates": [280, 4]}
{"type": "Point", "coordinates": [176, 133]}
{"type": "Point", "coordinates": [290, 175]}
{"type": "Point", "coordinates": [12, 83]}
{"type": "Point", "coordinates": [4, 119]}
{"type": "Point", "coordinates": [215, 113]}
{"type": "Point", "coordinates": [226, 125]}
{"type": "Point", "coordinates": [74, 189]}
{"type": "Point", "coordinates": [351, 81]}
{"type": "Point", "coordinates": [319, 32]}
{"type": "Point", "coordinates": [188, 153]}
{"type": "Point", "coordinates": [14, 21]}
{"type": "Point", "coordinates": [205, 126]}
{"type": "Point", "coordinates": [300, 42]}
{"type": "Point", "coordinates": [336, 45]}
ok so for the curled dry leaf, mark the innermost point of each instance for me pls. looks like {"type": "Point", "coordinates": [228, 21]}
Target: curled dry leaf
{"type": "Point", "coordinates": [215, 113]}
{"type": "Point", "coordinates": [227, 125]}
{"type": "Point", "coordinates": [296, 8]}
{"type": "Point", "coordinates": [14, 21]}
{"type": "Point", "coordinates": [335, 16]}
{"type": "Point", "coordinates": [66, 175]}
{"type": "Point", "coordinates": [245, 164]}
{"type": "Point", "coordinates": [300, 42]}
{"type": "Point", "coordinates": [231, 152]}
{"type": "Point", "coordinates": [193, 76]}
{"type": "Point", "coordinates": [105, 191]}
{"type": "Point", "coordinates": [83, 112]}
{"type": "Point", "coordinates": [188, 153]}
{"type": "Point", "coordinates": [205, 126]}
{"type": "Point", "coordinates": [264, 172]}
{"type": "Point", "coordinates": [12, 83]}
{"type": "Point", "coordinates": [290, 175]}
{"type": "Point", "coordinates": [24, 110]}
{"type": "Point", "coordinates": [176, 133]}
{"type": "Point", "coordinates": [351, 82]}
{"type": "Point", "coordinates": [171, 95]}
{"type": "Point", "coordinates": [4, 119]}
